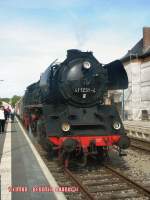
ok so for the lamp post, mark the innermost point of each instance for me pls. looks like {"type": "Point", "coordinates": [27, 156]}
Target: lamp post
{"type": "Point", "coordinates": [123, 117]}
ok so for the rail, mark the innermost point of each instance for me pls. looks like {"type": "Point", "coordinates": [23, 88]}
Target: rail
{"type": "Point", "coordinates": [102, 184]}
{"type": "Point", "coordinates": [140, 144]}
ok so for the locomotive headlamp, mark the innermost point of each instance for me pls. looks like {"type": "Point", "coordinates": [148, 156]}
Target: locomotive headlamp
{"type": "Point", "coordinates": [86, 64]}
{"type": "Point", "coordinates": [116, 125]}
{"type": "Point", "coordinates": [65, 126]}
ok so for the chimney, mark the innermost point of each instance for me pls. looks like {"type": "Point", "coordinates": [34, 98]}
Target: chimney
{"type": "Point", "coordinates": [146, 38]}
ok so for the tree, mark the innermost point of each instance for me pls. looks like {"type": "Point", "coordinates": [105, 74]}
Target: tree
{"type": "Point", "coordinates": [7, 100]}
{"type": "Point", "coordinates": [14, 100]}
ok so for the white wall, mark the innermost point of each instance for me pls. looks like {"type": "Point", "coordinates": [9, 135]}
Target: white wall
{"type": "Point", "coordinates": [145, 86]}
{"type": "Point", "coordinates": [137, 96]}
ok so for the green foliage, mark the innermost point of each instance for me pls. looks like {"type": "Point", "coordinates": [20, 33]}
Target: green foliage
{"type": "Point", "coordinates": [7, 100]}
{"type": "Point", "coordinates": [14, 100]}
{"type": "Point", "coordinates": [11, 101]}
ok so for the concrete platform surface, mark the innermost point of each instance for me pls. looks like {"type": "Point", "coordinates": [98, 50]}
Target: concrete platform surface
{"type": "Point", "coordinates": [22, 169]}
{"type": "Point", "coordinates": [145, 124]}
{"type": "Point", "coordinates": [138, 129]}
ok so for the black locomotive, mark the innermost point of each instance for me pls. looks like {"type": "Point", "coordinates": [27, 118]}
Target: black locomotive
{"type": "Point", "coordinates": [67, 110]}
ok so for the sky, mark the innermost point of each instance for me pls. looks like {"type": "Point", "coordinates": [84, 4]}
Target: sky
{"type": "Point", "coordinates": [33, 33]}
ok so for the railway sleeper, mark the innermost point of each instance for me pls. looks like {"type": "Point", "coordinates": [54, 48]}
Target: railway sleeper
{"type": "Point", "coordinates": [98, 177]}
{"type": "Point", "coordinates": [118, 195]}
{"type": "Point", "coordinates": [108, 188]}
{"type": "Point", "coordinates": [103, 182]}
{"type": "Point", "coordinates": [111, 189]}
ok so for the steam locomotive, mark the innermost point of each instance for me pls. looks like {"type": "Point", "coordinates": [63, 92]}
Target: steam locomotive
{"type": "Point", "coordinates": [66, 109]}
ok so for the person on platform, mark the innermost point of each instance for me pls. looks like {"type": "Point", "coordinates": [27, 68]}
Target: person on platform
{"type": "Point", "coordinates": [7, 113]}
{"type": "Point", "coordinates": [12, 114]}
{"type": "Point", "coordinates": [2, 119]}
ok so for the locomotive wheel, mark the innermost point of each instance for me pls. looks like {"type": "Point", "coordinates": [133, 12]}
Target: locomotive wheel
{"type": "Point", "coordinates": [82, 162]}
{"type": "Point", "coordinates": [50, 151]}
{"type": "Point", "coordinates": [41, 133]}
{"type": "Point", "coordinates": [80, 158]}
{"type": "Point", "coordinates": [34, 128]}
{"type": "Point", "coordinates": [63, 158]}
{"type": "Point", "coordinates": [39, 129]}
{"type": "Point", "coordinates": [102, 154]}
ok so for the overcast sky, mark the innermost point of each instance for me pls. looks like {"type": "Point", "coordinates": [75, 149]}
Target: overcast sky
{"type": "Point", "coordinates": [33, 33]}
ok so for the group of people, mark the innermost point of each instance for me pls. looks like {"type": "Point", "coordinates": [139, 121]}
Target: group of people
{"type": "Point", "coordinates": [5, 114]}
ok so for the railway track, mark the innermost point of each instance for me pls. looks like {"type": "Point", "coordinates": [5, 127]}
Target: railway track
{"type": "Point", "coordinates": [58, 173]}
{"type": "Point", "coordinates": [95, 182]}
{"type": "Point", "coordinates": [107, 183]}
{"type": "Point", "coordinates": [139, 135]}
{"type": "Point", "coordinates": [140, 144]}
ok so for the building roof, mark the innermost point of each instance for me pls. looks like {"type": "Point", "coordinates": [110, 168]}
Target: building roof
{"type": "Point", "coordinates": [136, 52]}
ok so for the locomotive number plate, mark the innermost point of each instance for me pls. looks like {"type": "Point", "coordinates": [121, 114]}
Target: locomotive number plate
{"type": "Point", "coordinates": [84, 90]}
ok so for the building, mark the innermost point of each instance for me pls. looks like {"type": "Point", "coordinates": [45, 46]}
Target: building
{"type": "Point", "coordinates": [134, 102]}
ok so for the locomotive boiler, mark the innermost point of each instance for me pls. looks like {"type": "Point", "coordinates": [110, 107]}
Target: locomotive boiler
{"type": "Point", "coordinates": [66, 108]}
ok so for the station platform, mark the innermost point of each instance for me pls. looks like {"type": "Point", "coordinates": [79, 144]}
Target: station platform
{"type": "Point", "coordinates": [139, 123]}
{"type": "Point", "coordinates": [22, 169]}
{"type": "Point", "coordinates": [138, 129]}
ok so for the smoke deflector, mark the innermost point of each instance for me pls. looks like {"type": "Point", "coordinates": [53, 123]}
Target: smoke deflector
{"type": "Point", "coordinates": [117, 76]}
